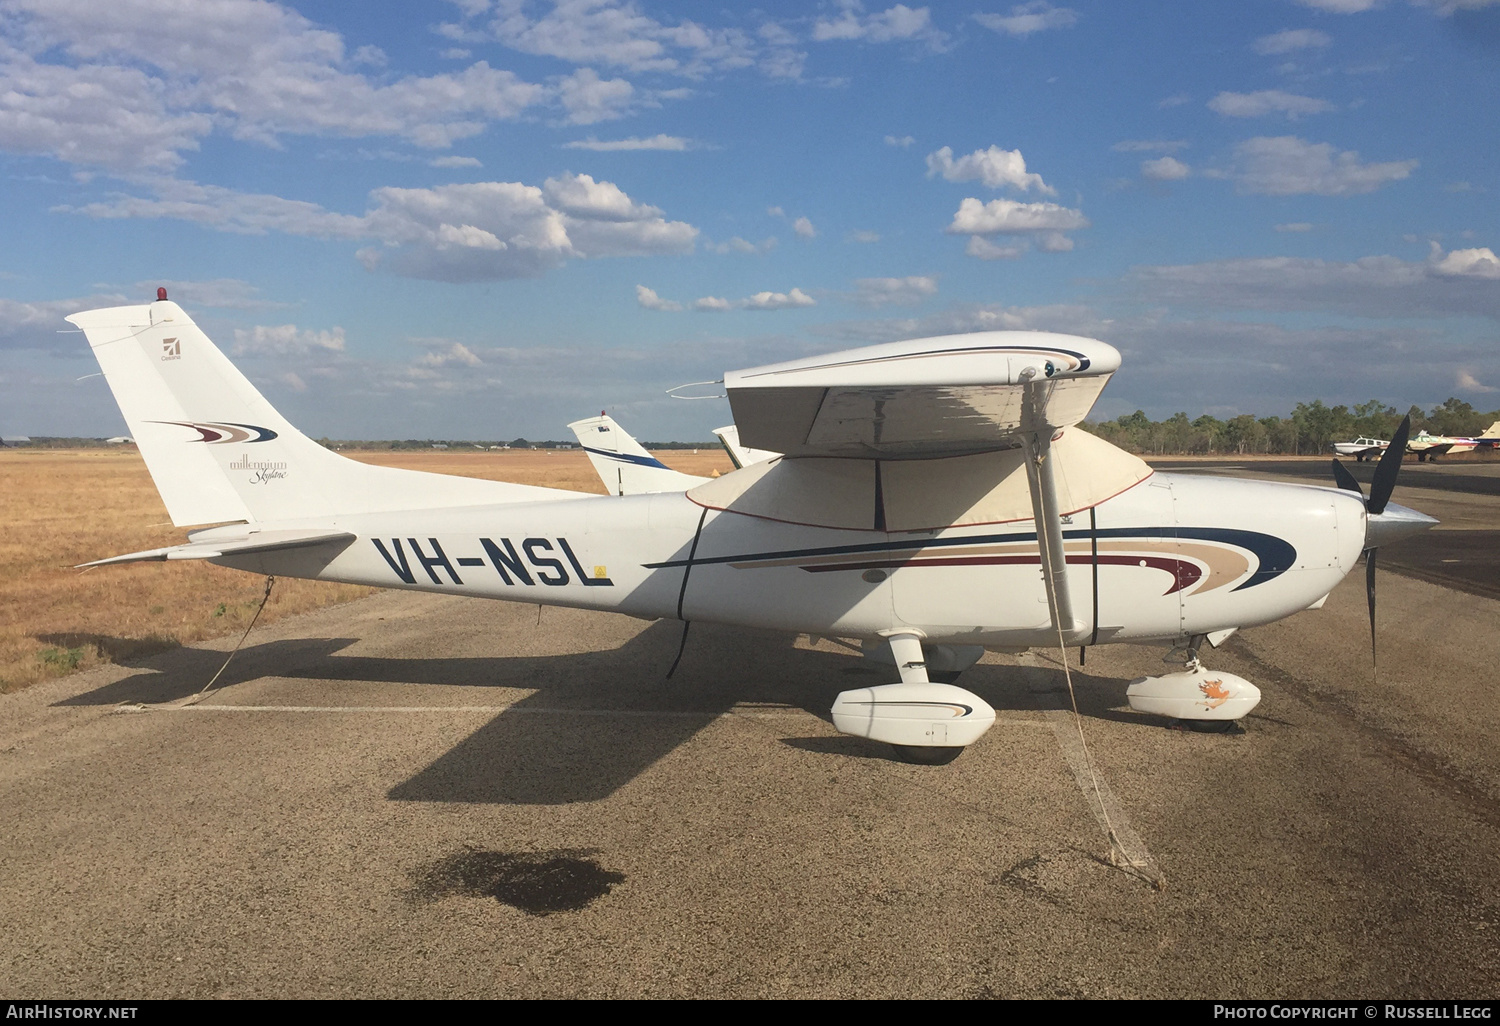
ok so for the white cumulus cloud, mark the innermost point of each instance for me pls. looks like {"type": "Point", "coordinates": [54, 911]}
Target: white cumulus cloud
{"type": "Point", "coordinates": [477, 231]}
{"type": "Point", "coordinates": [619, 34]}
{"type": "Point", "coordinates": [1024, 19]}
{"type": "Point", "coordinates": [35, 325]}
{"type": "Point", "coordinates": [739, 245]}
{"type": "Point", "coordinates": [900, 291]}
{"type": "Point", "coordinates": [581, 196]}
{"type": "Point", "coordinates": [994, 167]}
{"type": "Point", "coordinates": [1373, 286]}
{"type": "Point", "coordinates": [651, 301]}
{"type": "Point", "coordinates": [1465, 263]}
{"type": "Point", "coordinates": [454, 355]}
{"type": "Point", "coordinates": [1267, 101]}
{"type": "Point", "coordinates": [804, 228]}
{"type": "Point", "coordinates": [128, 86]}
{"type": "Point", "coordinates": [1466, 380]}
{"type": "Point", "coordinates": [674, 143]}
{"type": "Point", "coordinates": [1290, 166]}
{"type": "Point", "coordinates": [1290, 40]}
{"type": "Point", "coordinates": [1013, 217]}
{"type": "Point", "coordinates": [778, 300]}
{"type": "Point", "coordinates": [983, 249]}
{"type": "Point", "coordinates": [712, 304]}
{"type": "Point", "coordinates": [589, 99]}
{"type": "Point", "coordinates": [1164, 169]}
{"type": "Point", "coordinates": [286, 340]}
{"type": "Point", "coordinates": [895, 24]}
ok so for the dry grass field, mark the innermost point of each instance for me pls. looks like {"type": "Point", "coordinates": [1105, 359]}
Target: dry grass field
{"type": "Point", "coordinates": [65, 507]}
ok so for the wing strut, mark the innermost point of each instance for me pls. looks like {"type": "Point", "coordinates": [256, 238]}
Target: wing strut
{"type": "Point", "coordinates": [1042, 479]}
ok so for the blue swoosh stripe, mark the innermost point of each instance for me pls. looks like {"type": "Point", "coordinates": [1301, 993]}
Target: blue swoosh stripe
{"type": "Point", "coordinates": [640, 461]}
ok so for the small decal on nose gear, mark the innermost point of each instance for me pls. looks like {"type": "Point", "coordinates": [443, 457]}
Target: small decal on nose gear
{"type": "Point", "coordinates": [1215, 692]}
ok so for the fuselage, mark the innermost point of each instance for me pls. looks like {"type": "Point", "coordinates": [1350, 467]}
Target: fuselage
{"type": "Point", "coordinates": [1173, 556]}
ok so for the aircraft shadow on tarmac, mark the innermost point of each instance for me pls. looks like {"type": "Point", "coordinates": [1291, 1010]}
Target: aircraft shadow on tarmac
{"type": "Point", "coordinates": [593, 721]}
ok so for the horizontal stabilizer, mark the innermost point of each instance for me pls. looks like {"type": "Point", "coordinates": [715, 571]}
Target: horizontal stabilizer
{"type": "Point", "coordinates": [260, 541]}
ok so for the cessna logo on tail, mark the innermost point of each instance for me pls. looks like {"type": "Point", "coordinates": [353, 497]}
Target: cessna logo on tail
{"type": "Point", "coordinates": [219, 434]}
{"type": "Point", "coordinates": [171, 349]}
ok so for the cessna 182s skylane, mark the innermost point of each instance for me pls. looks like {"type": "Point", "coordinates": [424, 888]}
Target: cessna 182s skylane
{"type": "Point", "coordinates": [934, 498]}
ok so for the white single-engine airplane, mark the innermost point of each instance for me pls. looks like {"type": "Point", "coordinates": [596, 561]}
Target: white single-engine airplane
{"type": "Point", "coordinates": [934, 498]}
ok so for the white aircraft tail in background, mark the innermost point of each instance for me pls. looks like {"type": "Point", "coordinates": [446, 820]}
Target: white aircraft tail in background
{"type": "Point", "coordinates": [623, 464]}
{"type": "Point", "coordinates": [220, 453]}
{"type": "Point", "coordinates": [741, 455]}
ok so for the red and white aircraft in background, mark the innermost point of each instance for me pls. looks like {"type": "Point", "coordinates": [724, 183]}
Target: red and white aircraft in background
{"type": "Point", "coordinates": [1427, 447]}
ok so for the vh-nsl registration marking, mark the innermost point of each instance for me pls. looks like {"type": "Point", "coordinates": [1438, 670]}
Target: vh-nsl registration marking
{"type": "Point", "coordinates": [532, 563]}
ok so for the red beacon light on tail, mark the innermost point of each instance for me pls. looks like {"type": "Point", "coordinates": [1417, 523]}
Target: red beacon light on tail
{"type": "Point", "coordinates": [161, 294]}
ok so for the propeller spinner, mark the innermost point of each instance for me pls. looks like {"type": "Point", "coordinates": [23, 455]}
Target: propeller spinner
{"type": "Point", "coordinates": [1385, 521]}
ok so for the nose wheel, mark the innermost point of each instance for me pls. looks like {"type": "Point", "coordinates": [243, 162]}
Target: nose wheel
{"type": "Point", "coordinates": [927, 755]}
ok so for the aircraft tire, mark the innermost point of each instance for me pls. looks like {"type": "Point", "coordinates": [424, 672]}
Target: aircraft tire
{"type": "Point", "coordinates": [1210, 726]}
{"type": "Point", "coordinates": [927, 755]}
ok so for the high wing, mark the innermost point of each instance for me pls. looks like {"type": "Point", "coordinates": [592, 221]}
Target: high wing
{"type": "Point", "coordinates": [931, 397]}
{"type": "Point", "coordinates": [947, 401]}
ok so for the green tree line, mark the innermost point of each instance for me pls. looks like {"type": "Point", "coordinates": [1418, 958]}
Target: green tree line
{"type": "Point", "coordinates": [1311, 428]}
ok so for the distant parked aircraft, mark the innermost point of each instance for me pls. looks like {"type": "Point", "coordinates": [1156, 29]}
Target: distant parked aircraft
{"type": "Point", "coordinates": [1361, 448]}
{"type": "Point", "coordinates": [1427, 447]}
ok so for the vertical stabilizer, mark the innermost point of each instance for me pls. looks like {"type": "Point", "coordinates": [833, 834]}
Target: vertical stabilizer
{"type": "Point", "coordinates": [219, 452]}
{"type": "Point", "coordinates": [741, 456]}
{"type": "Point", "coordinates": [623, 464]}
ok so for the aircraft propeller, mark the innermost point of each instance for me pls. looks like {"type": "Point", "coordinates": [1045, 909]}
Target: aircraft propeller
{"type": "Point", "coordinates": [1384, 521]}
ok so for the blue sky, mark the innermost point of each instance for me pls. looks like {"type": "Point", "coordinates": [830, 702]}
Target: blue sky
{"type": "Point", "coordinates": [485, 218]}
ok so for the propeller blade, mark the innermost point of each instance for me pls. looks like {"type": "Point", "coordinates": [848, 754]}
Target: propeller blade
{"type": "Point", "coordinates": [1388, 468]}
{"type": "Point", "coordinates": [1346, 480]}
{"type": "Point", "coordinates": [1370, 595]}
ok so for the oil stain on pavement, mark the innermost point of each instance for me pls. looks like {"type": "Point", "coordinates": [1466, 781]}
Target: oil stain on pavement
{"type": "Point", "coordinates": [539, 883]}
